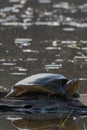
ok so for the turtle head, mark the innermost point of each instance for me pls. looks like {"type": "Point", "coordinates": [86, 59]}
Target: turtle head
{"type": "Point", "coordinates": [71, 86]}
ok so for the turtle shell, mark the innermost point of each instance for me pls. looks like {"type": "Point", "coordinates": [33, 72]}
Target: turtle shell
{"type": "Point", "coordinates": [42, 80]}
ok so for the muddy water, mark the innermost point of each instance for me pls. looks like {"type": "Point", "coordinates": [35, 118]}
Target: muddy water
{"type": "Point", "coordinates": [43, 36]}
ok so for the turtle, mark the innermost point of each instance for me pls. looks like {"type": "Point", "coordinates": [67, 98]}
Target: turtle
{"type": "Point", "coordinates": [53, 84]}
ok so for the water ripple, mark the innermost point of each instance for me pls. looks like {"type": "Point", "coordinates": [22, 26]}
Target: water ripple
{"type": "Point", "coordinates": [76, 24]}
{"type": "Point", "coordinates": [14, 1]}
{"type": "Point", "coordinates": [20, 69]}
{"type": "Point", "coordinates": [17, 73]}
{"type": "Point", "coordinates": [44, 1]}
{"type": "Point", "coordinates": [30, 50]}
{"type": "Point", "coordinates": [80, 58]}
{"type": "Point", "coordinates": [8, 64]}
{"type": "Point", "coordinates": [83, 7]}
{"type": "Point", "coordinates": [53, 66]}
{"type": "Point", "coordinates": [23, 42]}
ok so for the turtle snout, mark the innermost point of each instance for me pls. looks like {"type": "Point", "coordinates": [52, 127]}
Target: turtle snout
{"type": "Point", "coordinates": [72, 81]}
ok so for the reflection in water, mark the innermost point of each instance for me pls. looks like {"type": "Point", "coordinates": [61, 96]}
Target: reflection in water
{"type": "Point", "coordinates": [52, 124]}
{"type": "Point", "coordinates": [55, 124]}
{"type": "Point", "coordinates": [43, 36]}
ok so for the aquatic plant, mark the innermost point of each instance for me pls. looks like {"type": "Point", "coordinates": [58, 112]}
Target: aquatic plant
{"type": "Point", "coordinates": [84, 126]}
{"type": "Point", "coordinates": [65, 120]}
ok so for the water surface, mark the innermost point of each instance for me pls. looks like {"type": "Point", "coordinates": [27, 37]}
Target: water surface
{"type": "Point", "coordinates": [43, 36]}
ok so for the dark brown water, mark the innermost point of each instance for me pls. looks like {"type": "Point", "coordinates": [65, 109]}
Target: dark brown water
{"type": "Point", "coordinates": [43, 36]}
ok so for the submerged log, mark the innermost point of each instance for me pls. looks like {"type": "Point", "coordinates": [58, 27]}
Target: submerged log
{"type": "Point", "coordinates": [45, 105]}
